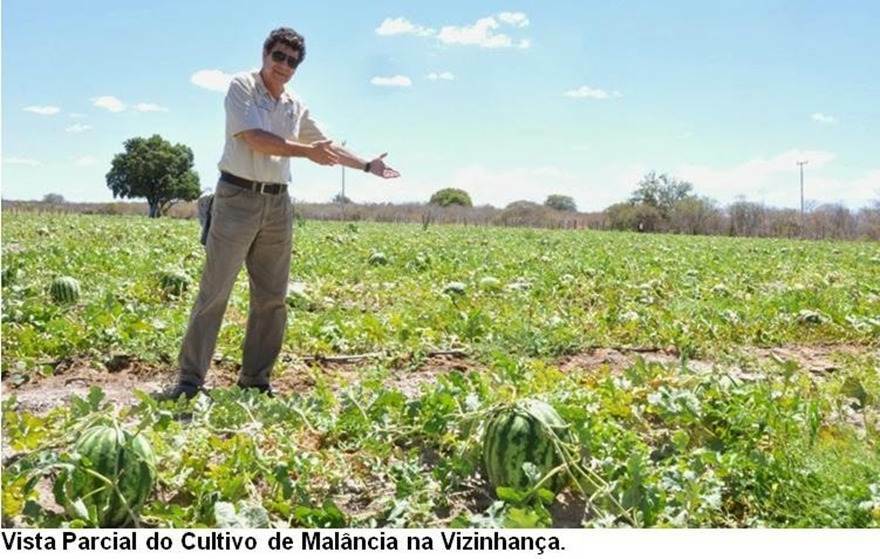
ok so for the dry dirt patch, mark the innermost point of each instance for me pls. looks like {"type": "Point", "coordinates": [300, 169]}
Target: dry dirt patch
{"type": "Point", "coordinates": [122, 375]}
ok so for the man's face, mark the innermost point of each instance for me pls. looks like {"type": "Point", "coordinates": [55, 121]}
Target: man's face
{"type": "Point", "coordinates": [279, 72]}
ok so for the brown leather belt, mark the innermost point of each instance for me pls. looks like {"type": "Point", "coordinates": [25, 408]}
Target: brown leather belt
{"type": "Point", "coordinates": [254, 186]}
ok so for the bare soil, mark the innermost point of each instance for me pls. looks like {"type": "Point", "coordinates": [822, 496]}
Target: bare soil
{"type": "Point", "coordinates": [122, 375]}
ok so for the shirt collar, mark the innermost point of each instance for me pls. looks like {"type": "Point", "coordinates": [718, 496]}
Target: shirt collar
{"type": "Point", "coordinates": [261, 86]}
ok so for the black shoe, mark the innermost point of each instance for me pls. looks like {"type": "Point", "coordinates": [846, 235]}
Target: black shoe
{"type": "Point", "coordinates": [262, 388]}
{"type": "Point", "coordinates": [173, 393]}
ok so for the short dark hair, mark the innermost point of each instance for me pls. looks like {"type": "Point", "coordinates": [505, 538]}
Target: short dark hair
{"type": "Point", "coordinates": [286, 36]}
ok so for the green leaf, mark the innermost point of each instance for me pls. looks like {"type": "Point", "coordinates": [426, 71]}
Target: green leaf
{"type": "Point", "coordinates": [510, 495]}
{"type": "Point", "coordinates": [522, 518]}
{"type": "Point", "coordinates": [95, 397]}
{"type": "Point", "coordinates": [680, 439]}
{"type": "Point", "coordinates": [328, 516]}
{"type": "Point", "coordinates": [78, 510]}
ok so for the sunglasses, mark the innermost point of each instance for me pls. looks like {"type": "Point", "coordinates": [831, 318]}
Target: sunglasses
{"type": "Point", "coordinates": [279, 56]}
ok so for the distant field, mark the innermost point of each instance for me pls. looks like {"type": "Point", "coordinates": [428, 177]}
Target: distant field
{"type": "Point", "coordinates": [709, 381]}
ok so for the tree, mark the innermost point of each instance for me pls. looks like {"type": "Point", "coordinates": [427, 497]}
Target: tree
{"type": "Point", "coordinates": [451, 197]}
{"type": "Point", "coordinates": [561, 202]}
{"type": "Point", "coordinates": [693, 215]}
{"type": "Point", "coordinates": [53, 198]}
{"type": "Point", "coordinates": [746, 218]}
{"type": "Point", "coordinates": [525, 213]}
{"type": "Point", "coordinates": [154, 169]}
{"type": "Point", "coordinates": [633, 217]}
{"type": "Point", "coordinates": [341, 199]}
{"type": "Point", "coordinates": [661, 192]}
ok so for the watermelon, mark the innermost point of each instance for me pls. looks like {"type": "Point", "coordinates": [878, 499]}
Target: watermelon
{"type": "Point", "coordinates": [174, 282]}
{"type": "Point", "coordinates": [126, 461]}
{"type": "Point", "coordinates": [378, 259]}
{"type": "Point", "coordinates": [64, 290]}
{"type": "Point", "coordinates": [298, 296]}
{"type": "Point", "coordinates": [10, 275]}
{"type": "Point", "coordinates": [454, 288]}
{"type": "Point", "coordinates": [521, 433]}
{"type": "Point", "coordinates": [490, 283]}
{"type": "Point", "coordinates": [421, 262]}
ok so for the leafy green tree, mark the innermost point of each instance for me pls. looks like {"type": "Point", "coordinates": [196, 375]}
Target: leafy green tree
{"type": "Point", "coordinates": [451, 197]}
{"type": "Point", "coordinates": [633, 217]}
{"type": "Point", "coordinates": [661, 192]}
{"type": "Point", "coordinates": [154, 169]}
{"type": "Point", "coordinates": [561, 202]}
{"type": "Point", "coordinates": [341, 199]}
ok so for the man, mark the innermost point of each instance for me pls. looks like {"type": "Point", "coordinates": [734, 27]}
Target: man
{"type": "Point", "coordinates": [252, 214]}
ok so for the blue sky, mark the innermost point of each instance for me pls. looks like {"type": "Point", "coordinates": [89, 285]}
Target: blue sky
{"type": "Point", "coordinates": [508, 100]}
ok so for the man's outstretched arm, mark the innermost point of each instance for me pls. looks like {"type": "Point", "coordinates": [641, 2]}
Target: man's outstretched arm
{"type": "Point", "coordinates": [270, 144]}
{"type": "Point", "coordinates": [322, 152]}
{"type": "Point", "coordinates": [377, 165]}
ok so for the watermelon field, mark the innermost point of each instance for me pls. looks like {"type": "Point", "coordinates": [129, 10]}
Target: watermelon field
{"type": "Point", "coordinates": [448, 376]}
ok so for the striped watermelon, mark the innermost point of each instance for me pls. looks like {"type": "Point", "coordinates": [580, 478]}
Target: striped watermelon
{"type": "Point", "coordinates": [125, 460]}
{"type": "Point", "coordinates": [64, 290]}
{"type": "Point", "coordinates": [524, 433]}
{"type": "Point", "coordinates": [174, 282]}
{"type": "Point", "coordinates": [378, 259]}
{"type": "Point", "coordinates": [454, 288]}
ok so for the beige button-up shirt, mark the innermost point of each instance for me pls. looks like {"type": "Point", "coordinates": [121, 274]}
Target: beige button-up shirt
{"type": "Point", "coordinates": [249, 105]}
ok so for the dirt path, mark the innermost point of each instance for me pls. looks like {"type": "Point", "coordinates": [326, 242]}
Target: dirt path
{"type": "Point", "coordinates": [123, 375]}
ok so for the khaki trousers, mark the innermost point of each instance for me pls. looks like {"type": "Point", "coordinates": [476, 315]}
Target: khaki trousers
{"type": "Point", "coordinates": [254, 229]}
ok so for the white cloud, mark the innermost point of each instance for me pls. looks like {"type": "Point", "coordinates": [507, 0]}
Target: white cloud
{"type": "Point", "coordinates": [45, 111]}
{"type": "Point", "coordinates": [434, 76]}
{"type": "Point", "coordinates": [482, 33]}
{"type": "Point", "coordinates": [500, 187]}
{"type": "Point", "coordinates": [392, 81]}
{"type": "Point", "coordinates": [587, 92]}
{"type": "Point", "coordinates": [773, 180]}
{"type": "Point", "coordinates": [517, 19]}
{"type": "Point", "coordinates": [85, 161]}
{"type": "Point", "coordinates": [149, 108]}
{"type": "Point", "coordinates": [823, 118]}
{"type": "Point", "coordinates": [77, 128]}
{"type": "Point", "coordinates": [215, 80]}
{"type": "Point", "coordinates": [21, 161]}
{"type": "Point", "coordinates": [858, 192]}
{"type": "Point", "coordinates": [402, 26]}
{"type": "Point", "coordinates": [109, 102]}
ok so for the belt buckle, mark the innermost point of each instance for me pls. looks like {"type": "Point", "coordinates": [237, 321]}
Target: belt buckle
{"type": "Point", "coordinates": [262, 189]}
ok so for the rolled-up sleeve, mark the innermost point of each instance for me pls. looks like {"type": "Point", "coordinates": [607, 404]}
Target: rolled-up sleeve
{"type": "Point", "coordinates": [241, 112]}
{"type": "Point", "coordinates": [309, 129]}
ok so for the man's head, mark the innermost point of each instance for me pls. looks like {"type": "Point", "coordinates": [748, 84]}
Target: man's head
{"type": "Point", "coordinates": [283, 50]}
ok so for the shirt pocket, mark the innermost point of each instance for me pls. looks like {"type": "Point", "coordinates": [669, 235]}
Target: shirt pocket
{"type": "Point", "coordinates": [264, 113]}
{"type": "Point", "coordinates": [290, 122]}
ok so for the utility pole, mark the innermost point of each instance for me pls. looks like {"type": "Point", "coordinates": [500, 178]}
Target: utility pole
{"type": "Point", "coordinates": [801, 165]}
{"type": "Point", "coordinates": [342, 201]}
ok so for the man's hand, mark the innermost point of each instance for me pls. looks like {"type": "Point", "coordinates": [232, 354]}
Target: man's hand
{"type": "Point", "coordinates": [378, 168]}
{"type": "Point", "coordinates": [322, 154]}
